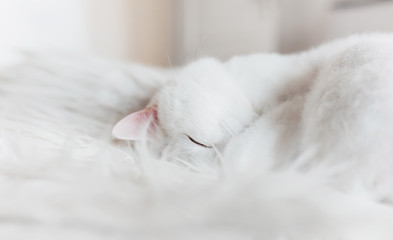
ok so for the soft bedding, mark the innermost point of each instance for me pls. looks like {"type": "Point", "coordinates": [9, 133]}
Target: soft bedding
{"type": "Point", "coordinates": [63, 176]}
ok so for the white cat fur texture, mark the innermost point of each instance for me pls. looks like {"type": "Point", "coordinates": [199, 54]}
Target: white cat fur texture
{"type": "Point", "coordinates": [330, 104]}
{"type": "Point", "coordinates": [64, 177]}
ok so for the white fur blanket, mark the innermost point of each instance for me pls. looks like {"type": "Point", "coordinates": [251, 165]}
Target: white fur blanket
{"type": "Point", "coordinates": [63, 177]}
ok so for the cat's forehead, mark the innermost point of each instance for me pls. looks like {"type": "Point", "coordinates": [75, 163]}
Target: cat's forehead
{"type": "Point", "coordinates": [203, 102]}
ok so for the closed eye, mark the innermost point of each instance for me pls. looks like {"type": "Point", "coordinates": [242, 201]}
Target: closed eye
{"type": "Point", "coordinates": [198, 143]}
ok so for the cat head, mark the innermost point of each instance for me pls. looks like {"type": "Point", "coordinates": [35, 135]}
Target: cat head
{"type": "Point", "coordinates": [200, 108]}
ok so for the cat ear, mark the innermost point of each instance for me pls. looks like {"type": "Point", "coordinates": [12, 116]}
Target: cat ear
{"type": "Point", "coordinates": [137, 126]}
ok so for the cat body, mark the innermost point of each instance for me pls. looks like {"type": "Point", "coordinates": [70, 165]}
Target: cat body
{"type": "Point", "coordinates": [331, 103]}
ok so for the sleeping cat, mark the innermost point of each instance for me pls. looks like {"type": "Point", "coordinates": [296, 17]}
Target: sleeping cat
{"type": "Point", "coordinates": [333, 103]}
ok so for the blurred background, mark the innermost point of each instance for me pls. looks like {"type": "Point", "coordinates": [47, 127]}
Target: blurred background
{"type": "Point", "coordinates": [164, 32]}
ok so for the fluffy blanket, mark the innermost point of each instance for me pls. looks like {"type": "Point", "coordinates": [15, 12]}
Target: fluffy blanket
{"type": "Point", "coordinates": [64, 177]}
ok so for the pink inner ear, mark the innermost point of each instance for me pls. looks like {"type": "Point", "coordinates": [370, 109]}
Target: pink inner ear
{"type": "Point", "coordinates": [137, 126]}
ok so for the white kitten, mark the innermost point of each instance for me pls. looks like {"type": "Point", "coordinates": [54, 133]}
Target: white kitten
{"type": "Point", "coordinates": [332, 103]}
